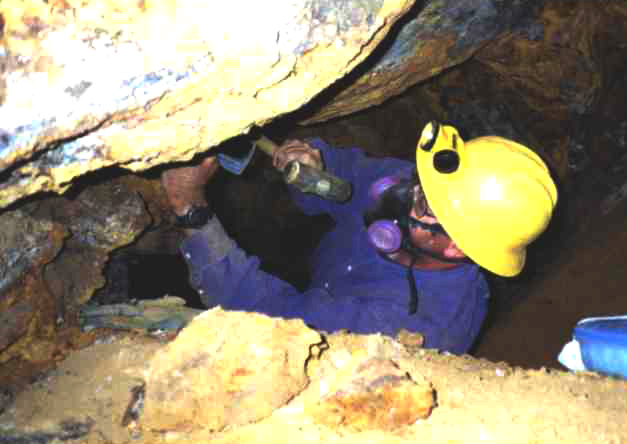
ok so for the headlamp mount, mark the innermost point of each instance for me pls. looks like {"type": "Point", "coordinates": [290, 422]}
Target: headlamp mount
{"type": "Point", "coordinates": [445, 161]}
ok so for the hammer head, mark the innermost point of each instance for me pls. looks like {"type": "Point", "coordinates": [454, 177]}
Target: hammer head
{"type": "Point", "coordinates": [238, 158]}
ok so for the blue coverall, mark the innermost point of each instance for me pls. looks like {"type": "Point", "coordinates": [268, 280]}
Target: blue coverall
{"type": "Point", "coordinates": [352, 286]}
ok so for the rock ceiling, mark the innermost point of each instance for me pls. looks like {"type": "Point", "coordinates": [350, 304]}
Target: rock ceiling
{"type": "Point", "coordinates": [88, 84]}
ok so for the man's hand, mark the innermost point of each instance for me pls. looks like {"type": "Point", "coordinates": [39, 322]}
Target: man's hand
{"type": "Point", "coordinates": [185, 186]}
{"type": "Point", "coordinates": [296, 150]}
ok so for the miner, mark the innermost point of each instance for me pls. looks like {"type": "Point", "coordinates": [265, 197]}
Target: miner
{"type": "Point", "coordinates": [408, 251]}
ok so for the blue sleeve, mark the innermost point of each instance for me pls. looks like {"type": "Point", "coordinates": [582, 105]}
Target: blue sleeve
{"type": "Point", "coordinates": [236, 282]}
{"type": "Point", "coordinates": [352, 165]}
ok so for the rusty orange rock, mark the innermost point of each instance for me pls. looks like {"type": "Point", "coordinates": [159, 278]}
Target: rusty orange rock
{"type": "Point", "coordinates": [377, 396]}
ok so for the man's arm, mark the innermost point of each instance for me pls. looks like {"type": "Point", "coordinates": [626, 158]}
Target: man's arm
{"type": "Point", "coordinates": [350, 164]}
{"type": "Point", "coordinates": [236, 282]}
{"type": "Point", "coordinates": [220, 271]}
{"type": "Point", "coordinates": [449, 319]}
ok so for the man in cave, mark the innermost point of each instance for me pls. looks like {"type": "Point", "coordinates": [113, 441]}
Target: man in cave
{"type": "Point", "coordinates": [406, 251]}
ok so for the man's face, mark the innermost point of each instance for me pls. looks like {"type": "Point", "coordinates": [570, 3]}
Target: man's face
{"type": "Point", "coordinates": [425, 231]}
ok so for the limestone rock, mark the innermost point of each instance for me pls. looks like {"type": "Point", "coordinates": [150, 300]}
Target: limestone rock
{"type": "Point", "coordinates": [226, 368]}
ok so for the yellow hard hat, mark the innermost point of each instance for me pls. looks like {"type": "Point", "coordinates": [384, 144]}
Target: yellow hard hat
{"type": "Point", "coordinates": [493, 196]}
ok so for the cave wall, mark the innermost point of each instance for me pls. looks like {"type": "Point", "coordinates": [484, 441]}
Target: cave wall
{"type": "Point", "coordinates": [549, 76]}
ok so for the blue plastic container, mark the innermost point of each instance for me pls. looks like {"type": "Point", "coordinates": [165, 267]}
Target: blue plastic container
{"type": "Point", "coordinates": [603, 344]}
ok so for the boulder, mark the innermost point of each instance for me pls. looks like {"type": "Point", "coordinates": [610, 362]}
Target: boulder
{"type": "Point", "coordinates": [226, 368]}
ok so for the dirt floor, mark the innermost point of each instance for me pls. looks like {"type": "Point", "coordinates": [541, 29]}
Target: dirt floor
{"type": "Point", "coordinates": [86, 397]}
